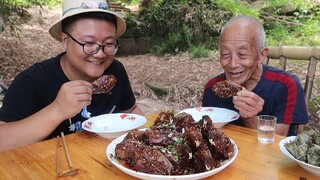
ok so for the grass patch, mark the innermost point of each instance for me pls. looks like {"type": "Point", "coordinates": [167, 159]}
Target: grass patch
{"type": "Point", "coordinates": [198, 52]}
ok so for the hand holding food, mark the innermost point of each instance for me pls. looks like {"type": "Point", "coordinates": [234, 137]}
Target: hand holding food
{"type": "Point", "coordinates": [248, 103]}
{"type": "Point", "coordinates": [72, 97]}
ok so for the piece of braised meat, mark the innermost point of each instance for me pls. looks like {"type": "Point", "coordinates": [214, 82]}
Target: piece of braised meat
{"type": "Point", "coordinates": [226, 89]}
{"type": "Point", "coordinates": [203, 160]}
{"type": "Point", "coordinates": [125, 150]}
{"type": "Point", "coordinates": [182, 121]}
{"type": "Point", "coordinates": [185, 159]}
{"type": "Point", "coordinates": [135, 135]}
{"type": "Point", "coordinates": [164, 117]}
{"type": "Point", "coordinates": [150, 160]}
{"type": "Point", "coordinates": [142, 157]}
{"type": "Point", "coordinates": [193, 136]}
{"type": "Point", "coordinates": [104, 84]}
{"type": "Point", "coordinates": [180, 154]}
{"type": "Point", "coordinates": [161, 135]}
{"type": "Point", "coordinates": [202, 157]}
{"type": "Point", "coordinates": [216, 138]}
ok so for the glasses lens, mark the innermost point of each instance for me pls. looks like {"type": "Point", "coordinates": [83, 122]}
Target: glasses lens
{"type": "Point", "coordinates": [91, 48]}
{"type": "Point", "coordinates": [110, 49]}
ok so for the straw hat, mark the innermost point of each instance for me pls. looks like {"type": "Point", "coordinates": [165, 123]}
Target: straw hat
{"type": "Point", "coordinates": [74, 7]}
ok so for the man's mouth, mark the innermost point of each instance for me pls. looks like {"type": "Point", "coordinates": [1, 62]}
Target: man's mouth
{"type": "Point", "coordinates": [95, 62]}
{"type": "Point", "coordinates": [235, 73]}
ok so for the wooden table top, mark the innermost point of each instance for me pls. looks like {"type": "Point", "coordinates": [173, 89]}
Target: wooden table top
{"type": "Point", "coordinates": [88, 155]}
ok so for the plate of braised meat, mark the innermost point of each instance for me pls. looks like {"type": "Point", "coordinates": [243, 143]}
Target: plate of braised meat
{"type": "Point", "coordinates": [174, 147]}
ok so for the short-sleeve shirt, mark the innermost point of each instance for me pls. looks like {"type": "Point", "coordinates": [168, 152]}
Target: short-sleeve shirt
{"type": "Point", "coordinates": [282, 94]}
{"type": "Point", "coordinates": [38, 86]}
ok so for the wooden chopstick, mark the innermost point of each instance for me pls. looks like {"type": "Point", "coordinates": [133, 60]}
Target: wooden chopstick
{"type": "Point", "coordinates": [58, 157]}
{"type": "Point", "coordinates": [66, 149]}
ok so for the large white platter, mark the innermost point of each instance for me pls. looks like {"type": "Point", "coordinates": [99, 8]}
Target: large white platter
{"type": "Point", "coordinates": [219, 116]}
{"type": "Point", "coordinates": [113, 125]}
{"type": "Point", "coordinates": [308, 167]}
{"type": "Point", "coordinates": [110, 152]}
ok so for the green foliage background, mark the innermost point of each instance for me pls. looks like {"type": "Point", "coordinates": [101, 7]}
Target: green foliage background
{"type": "Point", "coordinates": [194, 24]}
{"type": "Point", "coordinates": [26, 3]}
{"type": "Point", "coordinates": [10, 8]}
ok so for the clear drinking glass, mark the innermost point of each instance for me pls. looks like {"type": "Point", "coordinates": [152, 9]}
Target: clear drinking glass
{"type": "Point", "coordinates": [266, 128]}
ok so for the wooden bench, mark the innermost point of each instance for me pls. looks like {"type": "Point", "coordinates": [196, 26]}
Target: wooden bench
{"type": "Point", "coordinates": [311, 54]}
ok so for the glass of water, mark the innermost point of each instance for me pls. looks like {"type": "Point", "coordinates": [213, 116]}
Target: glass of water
{"type": "Point", "coordinates": [266, 128]}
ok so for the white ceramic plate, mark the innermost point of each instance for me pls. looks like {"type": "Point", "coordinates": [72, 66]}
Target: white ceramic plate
{"type": "Point", "coordinates": [308, 167]}
{"type": "Point", "coordinates": [113, 125]}
{"type": "Point", "coordinates": [110, 152]}
{"type": "Point", "coordinates": [219, 116]}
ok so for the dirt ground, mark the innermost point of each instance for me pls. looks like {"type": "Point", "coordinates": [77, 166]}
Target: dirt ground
{"type": "Point", "coordinates": [184, 78]}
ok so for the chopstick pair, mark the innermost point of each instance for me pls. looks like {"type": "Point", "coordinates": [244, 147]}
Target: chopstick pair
{"type": "Point", "coordinates": [58, 163]}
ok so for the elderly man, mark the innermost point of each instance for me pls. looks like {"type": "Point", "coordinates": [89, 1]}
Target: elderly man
{"type": "Point", "coordinates": [56, 95]}
{"type": "Point", "coordinates": [267, 90]}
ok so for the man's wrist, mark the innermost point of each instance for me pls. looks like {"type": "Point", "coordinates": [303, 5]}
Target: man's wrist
{"type": "Point", "coordinates": [250, 122]}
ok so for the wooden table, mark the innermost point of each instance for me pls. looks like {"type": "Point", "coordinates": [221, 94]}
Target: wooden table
{"type": "Point", "coordinates": [88, 154]}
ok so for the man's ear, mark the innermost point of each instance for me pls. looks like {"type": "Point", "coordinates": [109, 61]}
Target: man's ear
{"type": "Point", "coordinates": [263, 55]}
{"type": "Point", "coordinates": [64, 40]}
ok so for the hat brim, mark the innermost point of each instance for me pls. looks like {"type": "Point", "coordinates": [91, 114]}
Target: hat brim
{"type": "Point", "coordinates": [56, 30]}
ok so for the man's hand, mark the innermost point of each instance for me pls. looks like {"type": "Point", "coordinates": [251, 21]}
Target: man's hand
{"type": "Point", "coordinates": [248, 103]}
{"type": "Point", "coordinates": [72, 97]}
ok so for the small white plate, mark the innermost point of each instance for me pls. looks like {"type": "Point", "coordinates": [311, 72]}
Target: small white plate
{"type": "Point", "coordinates": [113, 125]}
{"type": "Point", "coordinates": [219, 116]}
{"type": "Point", "coordinates": [110, 152]}
{"type": "Point", "coordinates": [308, 167]}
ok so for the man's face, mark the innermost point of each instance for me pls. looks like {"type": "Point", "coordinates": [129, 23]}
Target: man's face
{"type": "Point", "coordinates": [83, 66]}
{"type": "Point", "coordinates": [238, 54]}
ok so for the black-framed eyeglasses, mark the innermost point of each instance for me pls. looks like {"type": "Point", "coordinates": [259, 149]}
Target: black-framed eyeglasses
{"type": "Point", "coordinates": [91, 48]}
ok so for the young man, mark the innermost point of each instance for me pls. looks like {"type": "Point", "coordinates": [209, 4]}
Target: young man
{"type": "Point", "coordinates": [267, 89]}
{"type": "Point", "coordinates": [52, 96]}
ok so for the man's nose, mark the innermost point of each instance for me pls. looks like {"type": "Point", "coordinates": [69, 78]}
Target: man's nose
{"type": "Point", "coordinates": [100, 52]}
{"type": "Point", "coordinates": [234, 61]}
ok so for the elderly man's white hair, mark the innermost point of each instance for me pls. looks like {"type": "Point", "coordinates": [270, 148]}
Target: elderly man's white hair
{"type": "Point", "coordinates": [260, 33]}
